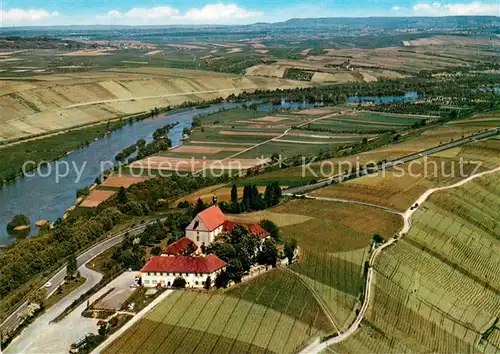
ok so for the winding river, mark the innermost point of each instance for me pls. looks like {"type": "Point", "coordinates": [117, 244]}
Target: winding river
{"type": "Point", "coordinates": [40, 197]}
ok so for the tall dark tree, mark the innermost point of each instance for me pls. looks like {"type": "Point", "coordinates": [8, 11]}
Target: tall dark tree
{"type": "Point", "coordinates": [234, 194]}
{"type": "Point", "coordinates": [72, 266]}
{"type": "Point", "coordinates": [122, 196]}
{"type": "Point", "coordinates": [290, 250]}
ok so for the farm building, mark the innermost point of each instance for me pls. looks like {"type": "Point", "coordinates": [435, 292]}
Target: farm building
{"type": "Point", "coordinates": [211, 222]}
{"type": "Point", "coordinates": [162, 271]}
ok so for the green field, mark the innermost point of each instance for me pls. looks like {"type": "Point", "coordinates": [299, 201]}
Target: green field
{"type": "Point", "coordinates": [273, 313]}
{"type": "Point", "coordinates": [437, 290]}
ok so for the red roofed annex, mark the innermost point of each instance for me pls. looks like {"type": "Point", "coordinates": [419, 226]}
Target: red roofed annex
{"type": "Point", "coordinates": [162, 271]}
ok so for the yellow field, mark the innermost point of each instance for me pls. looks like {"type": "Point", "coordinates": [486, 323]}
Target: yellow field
{"type": "Point", "coordinates": [399, 187]}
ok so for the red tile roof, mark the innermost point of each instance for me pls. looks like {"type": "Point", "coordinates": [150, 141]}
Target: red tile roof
{"type": "Point", "coordinates": [212, 217]}
{"type": "Point", "coordinates": [255, 229]}
{"type": "Point", "coordinates": [178, 247]}
{"type": "Point", "coordinates": [184, 264]}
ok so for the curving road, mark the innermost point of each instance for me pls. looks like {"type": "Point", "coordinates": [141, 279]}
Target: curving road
{"type": "Point", "coordinates": [14, 319]}
{"type": "Point", "coordinates": [317, 345]}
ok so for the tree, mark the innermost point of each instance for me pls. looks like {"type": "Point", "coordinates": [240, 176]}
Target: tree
{"type": "Point", "coordinates": [270, 227]}
{"type": "Point", "coordinates": [208, 283]}
{"type": "Point", "coordinates": [72, 266]}
{"type": "Point", "coordinates": [156, 251]}
{"type": "Point", "coordinates": [103, 329]}
{"type": "Point", "coordinates": [222, 280]}
{"type": "Point", "coordinates": [234, 194]}
{"type": "Point", "coordinates": [378, 239]}
{"type": "Point", "coordinates": [179, 282]}
{"type": "Point", "coordinates": [268, 254]}
{"type": "Point", "coordinates": [122, 196]}
{"type": "Point", "coordinates": [289, 250]}
{"type": "Point", "coordinates": [38, 296]}
{"type": "Point", "coordinates": [18, 220]}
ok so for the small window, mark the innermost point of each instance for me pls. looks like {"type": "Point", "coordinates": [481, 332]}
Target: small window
{"type": "Point", "coordinates": [196, 282]}
{"type": "Point", "coordinates": [146, 282]}
{"type": "Point", "coordinates": [197, 238]}
{"type": "Point", "coordinates": [153, 281]}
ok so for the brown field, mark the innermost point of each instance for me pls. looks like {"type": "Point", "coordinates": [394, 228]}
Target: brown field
{"type": "Point", "coordinates": [114, 181]}
{"type": "Point", "coordinates": [227, 132]}
{"type": "Point", "coordinates": [165, 163]}
{"type": "Point", "coordinates": [262, 51]}
{"type": "Point", "coordinates": [399, 187]}
{"type": "Point", "coordinates": [305, 51]}
{"type": "Point", "coordinates": [96, 197]}
{"type": "Point", "coordinates": [57, 102]}
{"type": "Point", "coordinates": [234, 50]}
{"type": "Point", "coordinates": [189, 149]}
{"type": "Point", "coordinates": [272, 70]}
{"type": "Point", "coordinates": [88, 53]}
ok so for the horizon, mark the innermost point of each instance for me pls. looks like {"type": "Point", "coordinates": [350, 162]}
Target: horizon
{"type": "Point", "coordinates": [41, 13]}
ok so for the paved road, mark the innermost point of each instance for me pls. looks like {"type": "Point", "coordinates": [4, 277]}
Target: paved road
{"type": "Point", "coordinates": [33, 338]}
{"type": "Point", "coordinates": [317, 345]}
{"type": "Point", "coordinates": [13, 320]}
{"type": "Point", "coordinates": [43, 337]}
{"type": "Point", "coordinates": [389, 164]}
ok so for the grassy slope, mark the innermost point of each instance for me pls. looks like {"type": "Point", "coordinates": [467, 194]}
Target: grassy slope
{"type": "Point", "coordinates": [272, 313]}
{"type": "Point", "coordinates": [437, 290]}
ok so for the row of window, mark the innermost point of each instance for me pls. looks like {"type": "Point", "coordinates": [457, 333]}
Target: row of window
{"type": "Point", "coordinates": [159, 274]}
{"type": "Point", "coordinates": [154, 282]}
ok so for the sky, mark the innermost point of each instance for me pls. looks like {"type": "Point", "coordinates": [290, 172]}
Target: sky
{"type": "Point", "coordinates": [166, 12]}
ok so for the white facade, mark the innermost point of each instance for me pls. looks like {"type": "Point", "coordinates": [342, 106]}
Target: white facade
{"type": "Point", "coordinates": [193, 280]}
{"type": "Point", "coordinates": [198, 232]}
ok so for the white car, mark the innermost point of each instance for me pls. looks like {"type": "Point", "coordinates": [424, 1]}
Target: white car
{"type": "Point", "coordinates": [420, 155]}
{"type": "Point", "coordinates": [48, 284]}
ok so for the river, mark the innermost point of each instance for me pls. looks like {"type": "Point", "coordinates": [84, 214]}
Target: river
{"type": "Point", "coordinates": [41, 197]}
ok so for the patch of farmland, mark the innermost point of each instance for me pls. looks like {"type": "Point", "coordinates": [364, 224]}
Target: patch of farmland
{"type": "Point", "coordinates": [280, 219]}
{"type": "Point", "coordinates": [437, 289]}
{"type": "Point", "coordinates": [219, 322]}
{"type": "Point", "coordinates": [115, 181]}
{"type": "Point", "coordinates": [248, 133]}
{"type": "Point", "coordinates": [340, 77]}
{"type": "Point", "coordinates": [271, 70]}
{"type": "Point", "coordinates": [337, 227]}
{"type": "Point", "coordinates": [197, 149]}
{"type": "Point", "coordinates": [454, 40]}
{"type": "Point", "coordinates": [337, 277]}
{"type": "Point", "coordinates": [96, 198]}
{"type": "Point", "coordinates": [399, 187]}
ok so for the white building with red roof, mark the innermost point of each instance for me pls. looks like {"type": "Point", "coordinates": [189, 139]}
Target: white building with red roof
{"type": "Point", "coordinates": [162, 271]}
{"type": "Point", "coordinates": [206, 226]}
{"type": "Point", "coordinates": [211, 222]}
